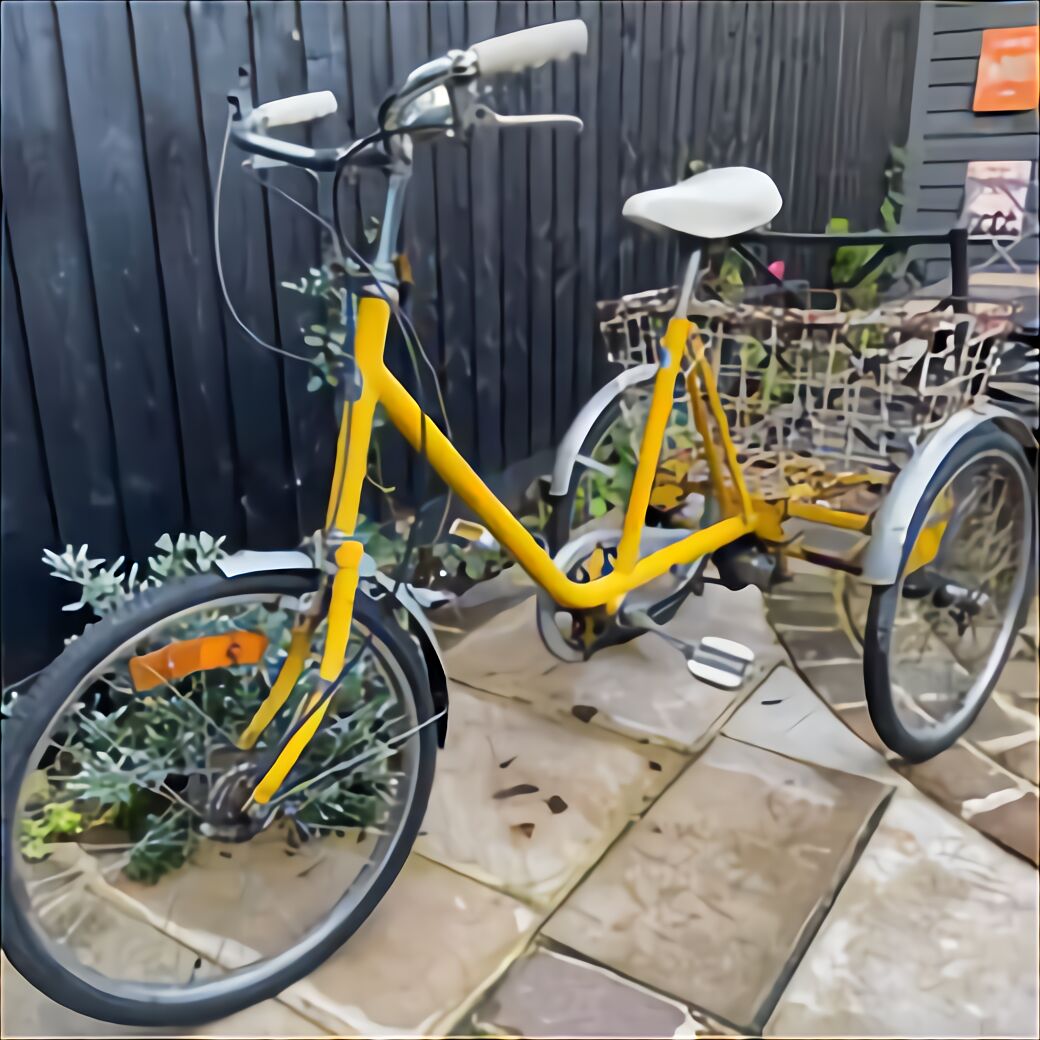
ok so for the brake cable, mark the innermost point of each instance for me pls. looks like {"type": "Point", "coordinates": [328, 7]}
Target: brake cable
{"type": "Point", "coordinates": [409, 333]}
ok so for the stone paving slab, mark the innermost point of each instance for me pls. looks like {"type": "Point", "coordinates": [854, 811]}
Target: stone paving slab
{"type": "Point", "coordinates": [984, 795]}
{"type": "Point", "coordinates": [432, 946]}
{"type": "Point", "coordinates": [28, 1013]}
{"type": "Point", "coordinates": [507, 657]}
{"type": "Point", "coordinates": [784, 715]}
{"type": "Point", "coordinates": [933, 934]}
{"type": "Point", "coordinates": [550, 994]}
{"type": "Point", "coordinates": [988, 778]}
{"type": "Point", "coordinates": [527, 803]}
{"type": "Point", "coordinates": [709, 896]}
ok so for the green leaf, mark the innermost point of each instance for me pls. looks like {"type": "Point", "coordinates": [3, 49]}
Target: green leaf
{"type": "Point", "coordinates": [888, 214]}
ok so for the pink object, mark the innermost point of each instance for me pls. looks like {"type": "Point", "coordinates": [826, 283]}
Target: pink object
{"type": "Point", "coordinates": [776, 269]}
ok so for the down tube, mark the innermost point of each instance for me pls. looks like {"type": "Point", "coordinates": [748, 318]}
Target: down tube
{"type": "Point", "coordinates": [460, 477]}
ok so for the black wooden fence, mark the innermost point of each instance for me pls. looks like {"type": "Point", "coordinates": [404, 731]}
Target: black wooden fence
{"type": "Point", "coordinates": [132, 405]}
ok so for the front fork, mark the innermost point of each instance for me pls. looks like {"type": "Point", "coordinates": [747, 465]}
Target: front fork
{"type": "Point", "coordinates": [352, 445]}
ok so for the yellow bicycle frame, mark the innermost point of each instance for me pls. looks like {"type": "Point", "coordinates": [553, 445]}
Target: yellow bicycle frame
{"type": "Point", "coordinates": [741, 514]}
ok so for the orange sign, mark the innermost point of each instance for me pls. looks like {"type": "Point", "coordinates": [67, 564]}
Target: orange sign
{"type": "Point", "coordinates": [1008, 79]}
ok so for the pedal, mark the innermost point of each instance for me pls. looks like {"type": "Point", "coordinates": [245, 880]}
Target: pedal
{"type": "Point", "coordinates": [467, 531]}
{"type": "Point", "coordinates": [720, 662]}
{"type": "Point", "coordinates": [430, 599]}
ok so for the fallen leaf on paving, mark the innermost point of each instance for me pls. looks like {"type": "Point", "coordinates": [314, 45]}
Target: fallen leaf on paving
{"type": "Point", "coordinates": [510, 792]}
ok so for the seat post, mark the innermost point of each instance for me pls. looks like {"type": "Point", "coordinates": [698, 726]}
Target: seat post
{"type": "Point", "coordinates": [691, 253]}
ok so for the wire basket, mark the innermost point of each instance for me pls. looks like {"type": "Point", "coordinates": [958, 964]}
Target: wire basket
{"type": "Point", "coordinates": [825, 396]}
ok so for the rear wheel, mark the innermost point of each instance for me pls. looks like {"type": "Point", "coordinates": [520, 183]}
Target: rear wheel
{"type": "Point", "coordinates": [935, 641]}
{"type": "Point", "coordinates": [140, 884]}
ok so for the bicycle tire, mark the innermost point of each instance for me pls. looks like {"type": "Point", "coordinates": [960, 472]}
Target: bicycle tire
{"type": "Point", "coordinates": [884, 604]}
{"type": "Point", "coordinates": [33, 713]}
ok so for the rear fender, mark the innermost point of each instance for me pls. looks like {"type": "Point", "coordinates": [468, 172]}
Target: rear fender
{"type": "Point", "coordinates": [570, 446]}
{"type": "Point", "coordinates": [884, 553]}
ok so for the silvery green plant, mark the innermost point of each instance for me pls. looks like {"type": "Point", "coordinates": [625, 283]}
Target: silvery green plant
{"type": "Point", "coordinates": [171, 736]}
{"type": "Point", "coordinates": [103, 586]}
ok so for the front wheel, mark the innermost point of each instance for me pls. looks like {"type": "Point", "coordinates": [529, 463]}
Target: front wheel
{"type": "Point", "coordinates": [935, 641]}
{"type": "Point", "coordinates": [141, 885]}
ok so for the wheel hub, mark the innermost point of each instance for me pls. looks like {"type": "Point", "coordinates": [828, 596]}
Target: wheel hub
{"type": "Point", "coordinates": [223, 796]}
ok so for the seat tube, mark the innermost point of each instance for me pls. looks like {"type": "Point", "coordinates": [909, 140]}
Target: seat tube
{"type": "Point", "coordinates": [661, 403]}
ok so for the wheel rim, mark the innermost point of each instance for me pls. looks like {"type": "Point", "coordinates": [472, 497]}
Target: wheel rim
{"type": "Point", "coordinates": [955, 615]}
{"type": "Point", "coordinates": [233, 907]}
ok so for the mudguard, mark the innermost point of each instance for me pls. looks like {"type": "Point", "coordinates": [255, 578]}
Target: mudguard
{"type": "Point", "coordinates": [884, 552]}
{"type": "Point", "coordinates": [570, 446]}
{"type": "Point", "coordinates": [250, 561]}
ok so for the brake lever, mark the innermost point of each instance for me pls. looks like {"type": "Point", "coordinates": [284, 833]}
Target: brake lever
{"type": "Point", "coordinates": [482, 114]}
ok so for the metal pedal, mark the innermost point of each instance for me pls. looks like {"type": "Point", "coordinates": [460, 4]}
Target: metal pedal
{"type": "Point", "coordinates": [714, 660]}
{"type": "Point", "coordinates": [720, 662]}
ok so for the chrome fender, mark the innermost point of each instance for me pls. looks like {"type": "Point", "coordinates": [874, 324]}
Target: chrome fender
{"type": "Point", "coordinates": [570, 447]}
{"type": "Point", "coordinates": [250, 561]}
{"type": "Point", "coordinates": [884, 552]}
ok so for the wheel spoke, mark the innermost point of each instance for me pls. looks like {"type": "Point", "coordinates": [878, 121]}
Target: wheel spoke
{"type": "Point", "coordinates": [137, 803]}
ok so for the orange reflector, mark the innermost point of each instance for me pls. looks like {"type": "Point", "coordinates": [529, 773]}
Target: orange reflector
{"type": "Point", "coordinates": [195, 655]}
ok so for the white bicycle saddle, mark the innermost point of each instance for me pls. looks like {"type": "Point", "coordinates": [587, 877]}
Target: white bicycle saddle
{"type": "Point", "coordinates": [713, 204]}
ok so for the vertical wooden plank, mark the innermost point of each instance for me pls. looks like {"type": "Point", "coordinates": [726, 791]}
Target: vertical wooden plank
{"type": "Point", "coordinates": [485, 206]}
{"type": "Point", "coordinates": [541, 246]}
{"type": "Point", "coordinates": [281, 71]}
{"type": "Point", "coordinates": [647, 172]}
{"type": "Point", "coordinates": [725, 140]}
{"type": "Point", "coordinates": [114, 187]}
{"type": "Point", "coordinates": [455, 252]}
{"type": "Point", "coordinates": [368, 43]}
{"type": "Point", "coordinates": [410, 47]}
{"type": "Point", "coordinates": [630, 61]}
{"type": "Point", "coordinates": [689, 62]}
{"type": "Point", "coordinates": [609, 135]}
{"type": "Point", "coordinates": [756, 104]}
{"type": "Point", "coordinates": [512, 206]}
{"type": "Point", "coordinates": [30, 602]}
{"type": "Point", "coordinates": [323, 24]}
{"type": "Point", "coordinates": [591, 180]}
{"type": "Point", "coordinates": [830, 105]}
{"type": "Point", "coordinates": [667, 141]}
{"type": "Point", "coordinates": [220, 33]}
{"type": "Point", "coordinates": [368, 49]}
{"type": "Point", "coordinates": [566, 266]}
{"type": "Point", "coordinates": [183, 226]}
{"type": "Point", "coordinates": [785, 77]}
{"type": "Point", "coordinates": [48, 245]}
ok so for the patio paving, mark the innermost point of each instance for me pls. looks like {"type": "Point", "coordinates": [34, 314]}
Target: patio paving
{"type": "Point", "coordinates": [989, 777]}
{"type": "Point", "coordinates": [680, 861]}
{"type": "Point", "coordinates": [932, 924]}
{"type": "Point", "coordinates": [506, 656]}
{"type": "Point", "coordinates": [708, 897]}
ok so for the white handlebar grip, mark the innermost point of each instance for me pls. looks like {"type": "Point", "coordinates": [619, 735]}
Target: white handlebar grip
{"type": "Point", "coordinates": [299, 109]}
{"type": "Point", "coordinates": [529, 48]}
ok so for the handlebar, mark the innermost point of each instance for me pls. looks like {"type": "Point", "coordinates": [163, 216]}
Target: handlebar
{"type": "Point", "coordinates": [301, 108]}
{"type": "Point", "coordinates": [513, 52]}
{"type": "Point", "coordinates": [531, 48]}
